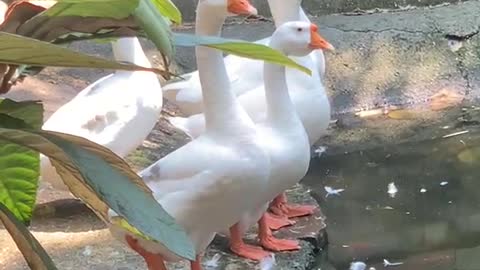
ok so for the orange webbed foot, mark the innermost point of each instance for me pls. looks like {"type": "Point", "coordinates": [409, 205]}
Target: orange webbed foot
{"type": "Point", "coordinates": [240, 248]}
{"type": "Point", "coordinates": [275, 222]}
{"type": "Point", "coordinates": [280, 207]}
{"type": "Point", "coordinates": [153, 261]}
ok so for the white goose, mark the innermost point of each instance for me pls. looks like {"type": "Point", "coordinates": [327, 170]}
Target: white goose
{"type": "Point", "coordinates": [310, 99]}
{"type": "Point", "coordinates": [282, 135]}
{"type": "Point", "coordinates": [204, 184]}
{"type": "Point", "coordinates": [117, 111]}
{"type": "Point", "coordinates": [245, 74]}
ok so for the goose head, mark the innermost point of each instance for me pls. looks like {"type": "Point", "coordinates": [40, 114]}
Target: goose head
{"type": "Point", "coordinates": [298, 39]}
{"type": "Point", "coordinates": [230, 7]}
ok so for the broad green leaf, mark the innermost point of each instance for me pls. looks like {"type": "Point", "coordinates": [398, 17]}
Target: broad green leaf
{"type": "Point", "coordinates": [146, 14]}
{"type": "Point", "coordinates": [80, 161]}
{"type": "Point", "coordinates": [19, 166]}
{"type": "Point", "coordinates": [29, 111]}
{"type": "Point", "coordinates": [239, 48]}
{"type": "Point", "coordinates": [106, 7]}
{"type": "Point", "coordinates": [123, 223]}
{"type": "Point", "coordinates": [36, 257]}
{"type": "Point", "coordinates": [93, 8]}
{"type": "Point", "coordinates": [16, 49]}
{"type": "Point", "coordinates": [169, 10]}
{"type": "Point", "coordinates": [155, 26]}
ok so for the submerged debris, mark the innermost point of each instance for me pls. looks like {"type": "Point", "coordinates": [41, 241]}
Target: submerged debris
{"type": "Point", "coordinates": [320, 150]}
{"type": "Point", "coordinates": [369, 113]}
{"type": "Point", "coordinates": [357, 266]}
{"type": "Point", "coordinates": [268, 263]}
{"type": "Point", "coordinates": [392, 190]}
{"type": "Point", "coordinates": [332, 191]}
{"type": "Point", "coordinates": [455, 134]}
{"type": "Point", "coordinates": [213, 262]}
{"type": "Point", "coordinates": [386, 263]}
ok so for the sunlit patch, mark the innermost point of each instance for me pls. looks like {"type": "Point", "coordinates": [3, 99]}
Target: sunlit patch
{"type": "Point", "coordinates": [470, 155]}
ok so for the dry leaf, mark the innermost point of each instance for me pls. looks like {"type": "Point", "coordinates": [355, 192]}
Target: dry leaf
{"type": "Point", "coordinates": [445, 99]}
{"type": "Point", "coordinates": [402, 114]}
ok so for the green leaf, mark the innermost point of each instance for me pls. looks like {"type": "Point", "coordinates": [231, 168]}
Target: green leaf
{"type": "Point", "coordinates": [155, 26]}
{"type": "Point", "coordinates": [147, 14]}
{"type": "Point", "coordinates": [16, 50]}
{"type": "Point", "coordinates": [239, 48]}
{"type": "Point", "coordinates": [29, 111]}
{"type": "Point", "coordinates": [86, 166]}
{"type": "Point", "coordinates": [36, 257]}
{"type": "Point", "coordinates": [19, 166]}
{"type": "Point", "coordinates": [111, 8]}
{"type": "Point", "coordinates": [93, 8]}
{"type": "Point", "coordinates": [169, 10]}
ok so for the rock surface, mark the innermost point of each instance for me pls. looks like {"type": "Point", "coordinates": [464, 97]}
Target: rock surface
{"type": "Point", "coordinates": [322, 7]}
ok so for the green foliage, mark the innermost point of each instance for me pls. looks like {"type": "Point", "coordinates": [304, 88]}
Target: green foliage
{"type": "Point", "coordinates": [147, 14]}
{"type": "Point", "coordinates": [114, 9]}
{"type": "Point", "coordinates": [239, 48]}
{"type": "Point", "coordinates": [16, 49]}
{"type": "Point", "coordinates": [19, 166]}
{"type": "Point", "coordinates": [168, 10]}
{"type": "Point", "coordinates": [155, 26]}
{"type": "Point", "coordinates": [86, 167]}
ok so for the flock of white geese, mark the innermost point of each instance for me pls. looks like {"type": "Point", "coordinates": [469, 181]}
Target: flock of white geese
{"type": "Point", "coordinates": [252, 125]}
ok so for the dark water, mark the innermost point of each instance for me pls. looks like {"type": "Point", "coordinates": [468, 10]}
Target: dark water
{"type": "Point", "coordinates": [433, 222]}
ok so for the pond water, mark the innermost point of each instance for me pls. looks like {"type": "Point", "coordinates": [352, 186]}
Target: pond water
{"type": "Point", "coordinates": [413, 203]}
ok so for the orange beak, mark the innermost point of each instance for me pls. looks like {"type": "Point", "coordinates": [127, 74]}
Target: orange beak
{"type": "Point", "coordinates": [317, 41]}
{"type": "Point", "coordinates": [241, 7]}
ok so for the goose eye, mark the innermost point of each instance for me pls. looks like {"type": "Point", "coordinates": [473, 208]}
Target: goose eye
{"type": "Point", "coordinates": [299, 29]}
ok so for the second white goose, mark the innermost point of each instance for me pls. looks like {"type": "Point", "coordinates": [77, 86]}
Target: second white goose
{"type": "Point", "coordinates": [117, 111]}
{"type": "Point", "coordinates": [282, 135]}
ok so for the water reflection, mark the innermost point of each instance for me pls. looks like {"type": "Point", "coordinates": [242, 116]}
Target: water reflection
{"type": "Point", "coordinates": [416, 203]}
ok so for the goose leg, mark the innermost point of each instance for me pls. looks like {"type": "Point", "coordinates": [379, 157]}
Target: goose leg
{"type": "Point", "coordinates": [197, 264]}
{"type": "Point", "coordinates": [280, 206]}
{"type": "Point", "coordinates": [268, 241]}
{"type": "Point", "coordinates": [275, 222]}
{"type": "Point", "coordinates": [153, 261]}
{"type": "Point", "coordinates": [242, 249]}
